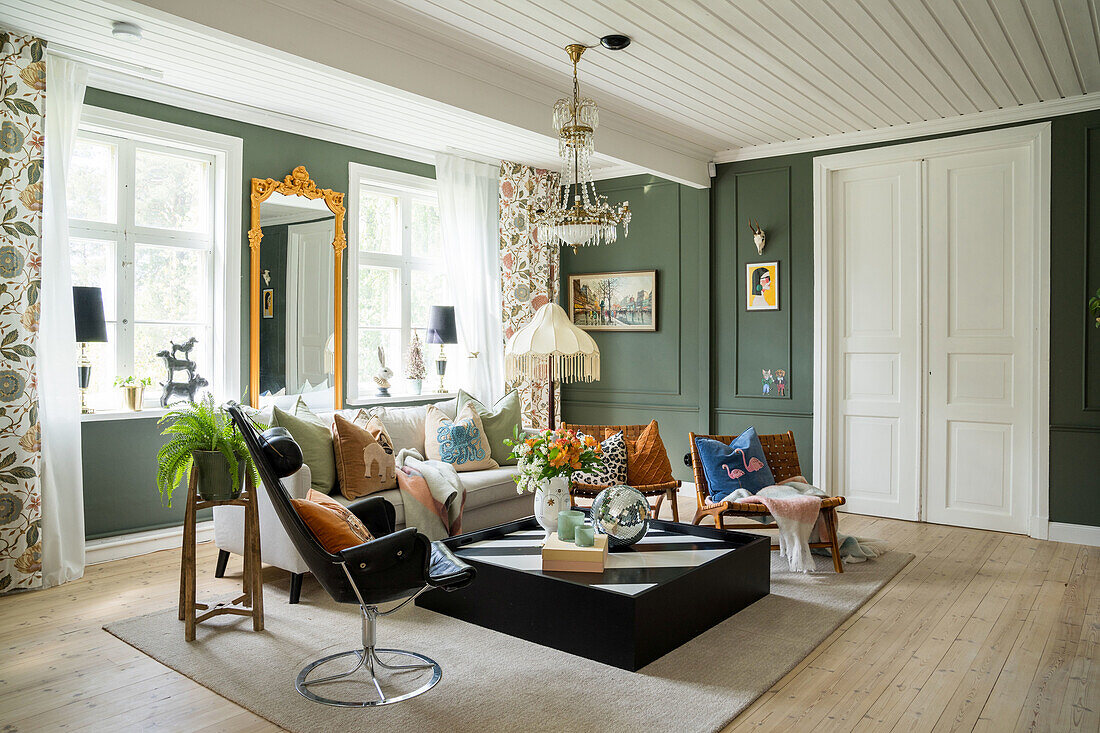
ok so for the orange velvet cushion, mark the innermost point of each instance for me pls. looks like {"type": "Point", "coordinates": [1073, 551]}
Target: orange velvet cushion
{"type": "Point", "coordinates": [331, 523]}
{"type": "Point", "coordinates": [646, 459]}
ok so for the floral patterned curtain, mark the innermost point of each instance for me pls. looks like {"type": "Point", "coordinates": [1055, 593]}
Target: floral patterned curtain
{"type": "Point", "coordinates": [529, 270]}
{"type": "Point", "coordinates": [23, 90]}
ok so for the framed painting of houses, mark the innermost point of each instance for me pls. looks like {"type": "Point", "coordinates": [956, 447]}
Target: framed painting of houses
{"type": "Point", "coordinates": [614, 301]}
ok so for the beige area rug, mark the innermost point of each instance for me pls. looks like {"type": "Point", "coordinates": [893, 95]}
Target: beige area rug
{"type": "Point", "coordinates": [493, 682]}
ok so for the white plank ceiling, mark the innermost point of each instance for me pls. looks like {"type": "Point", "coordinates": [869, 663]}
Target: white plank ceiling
{"type": "Point", "coordinates": [751, 72]}
{"type": "Point", "coordinates": [703, 80]}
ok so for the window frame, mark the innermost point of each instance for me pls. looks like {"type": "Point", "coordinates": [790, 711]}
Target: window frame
{"type": "Point", "coordinates": [407, 188]}
{"type": "Point", "coordinates": [130, 133]}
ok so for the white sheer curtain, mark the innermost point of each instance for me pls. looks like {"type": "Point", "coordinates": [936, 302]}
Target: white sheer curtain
{"type": "Point", "coordinates": [469, 213]}
{"type": "Point", "coordinates": [58, 397]}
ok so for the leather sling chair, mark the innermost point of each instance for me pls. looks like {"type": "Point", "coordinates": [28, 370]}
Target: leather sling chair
{"type": "Point", "coordinates": [395, 566]}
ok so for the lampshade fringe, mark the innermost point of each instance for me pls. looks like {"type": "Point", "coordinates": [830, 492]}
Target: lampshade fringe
{"type": "Point", "coordinates": [567, 367]}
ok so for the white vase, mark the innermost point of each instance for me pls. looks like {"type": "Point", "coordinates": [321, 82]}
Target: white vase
{"type": "Point", "coordinates": [415, 385]}
{"type": "Point", "coordinates": [550, 498]}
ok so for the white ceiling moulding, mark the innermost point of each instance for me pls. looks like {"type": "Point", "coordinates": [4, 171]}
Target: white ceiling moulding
{"type": "Point", "coordinates": [962, 123]}
{"type": "Point", "coordinates": [339, 38]}
{"type": "Point", "coordinates": [112, 81]}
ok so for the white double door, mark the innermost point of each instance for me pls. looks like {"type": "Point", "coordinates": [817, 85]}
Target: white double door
{"type": "Point", "coordinates": [932, 406]}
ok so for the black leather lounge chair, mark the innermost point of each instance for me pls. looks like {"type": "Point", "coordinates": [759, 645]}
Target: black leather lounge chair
{"type": "Point", "coordinates": [395, 566]}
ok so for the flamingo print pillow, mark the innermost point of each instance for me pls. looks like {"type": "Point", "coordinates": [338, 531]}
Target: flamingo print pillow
{"type": "Point", "coordinates": [739, 465]}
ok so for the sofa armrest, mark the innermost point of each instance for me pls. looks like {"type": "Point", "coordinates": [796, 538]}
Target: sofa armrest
{"type": "Point", "coordinates": [298, 483]}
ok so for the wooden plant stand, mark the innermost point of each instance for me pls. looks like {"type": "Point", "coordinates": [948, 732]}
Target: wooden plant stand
{"type": "Point", "coordinates": [251, 600]}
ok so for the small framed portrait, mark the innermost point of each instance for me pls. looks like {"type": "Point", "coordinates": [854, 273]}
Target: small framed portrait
{"type": "Point", "coordinates": [614, 301]}
{"type": "Point", "coordinates": [269, 303]}
{"type": "Point", "coordinates": [762, 286]}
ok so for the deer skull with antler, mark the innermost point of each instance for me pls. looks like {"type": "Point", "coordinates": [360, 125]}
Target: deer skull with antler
{"type": "Point", "coordinates": [757, 236]}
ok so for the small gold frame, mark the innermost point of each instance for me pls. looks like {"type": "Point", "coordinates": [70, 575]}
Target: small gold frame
{"type": "Point", "coordinates": [296, 183]}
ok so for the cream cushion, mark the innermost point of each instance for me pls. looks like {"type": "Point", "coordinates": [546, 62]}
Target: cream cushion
{"type": "Point", "coordinates": [405, 425]}
{"type": "Point", "coordinates": [461, 442]}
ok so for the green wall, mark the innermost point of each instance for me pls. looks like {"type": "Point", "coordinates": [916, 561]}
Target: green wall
{"type": "Point", "coordinates": [662, 375]}
{"type": "Point", "coordinates": [640, 372]}
{"type": "Point", "coordinates": [119, 455]}
{"type": "Point", "coordinates": [701, 370]}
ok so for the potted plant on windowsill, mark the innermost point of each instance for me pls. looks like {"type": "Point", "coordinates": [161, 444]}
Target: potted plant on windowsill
{"type": "Point", "coordinates": [204, 440]}
{"type": "Point", "coordinates": [133, 391]}
{"type": "Point", "coordinates": [414, 365]}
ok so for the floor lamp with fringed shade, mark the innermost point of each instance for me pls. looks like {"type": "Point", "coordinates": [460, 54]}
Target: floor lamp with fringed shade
{"type": "Point", "coordinates": [550, 347]}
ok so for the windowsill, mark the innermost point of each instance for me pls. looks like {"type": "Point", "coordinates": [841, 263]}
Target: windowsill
{"type": "Point", "coordinates": [159, 412]}
{"type": "Point", "coordinates": [104, 415]}
{"type": "Point", "coordinates": [403, 399]}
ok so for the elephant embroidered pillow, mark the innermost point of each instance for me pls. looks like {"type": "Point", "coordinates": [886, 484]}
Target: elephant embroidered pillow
{"type": "Point", "coordinates": [739, 465]}
{"type": "Point", "coordinates": [364, 456]}
{"type": "Point", "coordinates": [613, 471]}
{"type": "Point", "coordinates": [461, 442]}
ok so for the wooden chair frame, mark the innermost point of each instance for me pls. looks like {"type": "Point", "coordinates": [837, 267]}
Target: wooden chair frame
{"type": "Point", "coordinates": [782, 457]}
{"type": "Point", "coordinates": [662, 491]}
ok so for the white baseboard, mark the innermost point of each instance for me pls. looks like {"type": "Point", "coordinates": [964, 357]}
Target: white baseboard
{"type": "Point", "coordinates": [1078, 534]}
{"type": "Point", "coordinates": [142, 543]}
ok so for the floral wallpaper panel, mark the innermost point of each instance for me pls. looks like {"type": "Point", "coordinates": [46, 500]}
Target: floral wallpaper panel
{"type": "Point", "coordinates": [529, 270]}
{"type": "Point", "coordinates": [22, 105]}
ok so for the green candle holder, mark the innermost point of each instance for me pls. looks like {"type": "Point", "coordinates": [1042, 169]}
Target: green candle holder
{"type": "Point", "coordinates": [568, 521]}
{"type": "Point", "coordinates": [584, 536]}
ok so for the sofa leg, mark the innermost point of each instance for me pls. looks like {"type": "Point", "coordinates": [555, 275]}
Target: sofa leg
{"type": "Point", "coordinates": [223, 558]}
{"type": "Point", "coordinates": [295, 586]}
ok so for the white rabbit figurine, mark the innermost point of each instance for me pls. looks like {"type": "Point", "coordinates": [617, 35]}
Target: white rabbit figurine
{"type": "Point", "coordinates": [382, 378]}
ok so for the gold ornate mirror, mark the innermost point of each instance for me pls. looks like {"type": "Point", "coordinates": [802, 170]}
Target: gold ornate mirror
{"type": "Point", "coordinates": [296, 338]}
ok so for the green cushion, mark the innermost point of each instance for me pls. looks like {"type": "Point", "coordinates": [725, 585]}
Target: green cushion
{"type": "Point", "coordinates": [500, 421]}
{"type": "Point", "coordinates": [315, 440]}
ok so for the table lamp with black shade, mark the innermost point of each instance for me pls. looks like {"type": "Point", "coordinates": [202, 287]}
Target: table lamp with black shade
{"type": "Point", "coordinates": [91, 327]}
{"type": "Point", "coordinates": [442, 330]}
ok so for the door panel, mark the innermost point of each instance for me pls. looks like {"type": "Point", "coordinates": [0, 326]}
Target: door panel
{"type": "Point", "coordinates": [875, 235]}
{"type": "Point", "coordinates": [979, 396]}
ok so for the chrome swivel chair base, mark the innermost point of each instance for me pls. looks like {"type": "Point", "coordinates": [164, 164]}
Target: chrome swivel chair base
{"type": "Point", "coordinates": [368, 657]}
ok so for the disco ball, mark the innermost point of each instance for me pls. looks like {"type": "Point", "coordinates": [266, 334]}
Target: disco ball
{"type": "Point", "coordinates": [621, 513]}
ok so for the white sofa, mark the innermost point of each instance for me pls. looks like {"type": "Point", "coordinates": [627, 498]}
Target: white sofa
{"type": "Point", "coordinates": [491, 499]}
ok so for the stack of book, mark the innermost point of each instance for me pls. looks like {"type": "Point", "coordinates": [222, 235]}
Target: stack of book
{"type": "Point", "coordinates": [560, 556]}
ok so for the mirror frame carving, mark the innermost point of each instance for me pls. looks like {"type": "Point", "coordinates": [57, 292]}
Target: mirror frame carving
{"type": "Point", "coordinates": [296, 183]}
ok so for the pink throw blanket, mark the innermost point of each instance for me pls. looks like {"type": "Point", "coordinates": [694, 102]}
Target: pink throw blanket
{"type": "Point", "coordinates": [796, 517]}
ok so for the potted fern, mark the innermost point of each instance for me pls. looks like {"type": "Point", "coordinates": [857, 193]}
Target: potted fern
{"type": "Point", "coordinates": [204, 439]}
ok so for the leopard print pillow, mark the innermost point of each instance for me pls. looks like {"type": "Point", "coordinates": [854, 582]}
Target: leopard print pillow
{"type": "Point", "coordinates": [613, 470]}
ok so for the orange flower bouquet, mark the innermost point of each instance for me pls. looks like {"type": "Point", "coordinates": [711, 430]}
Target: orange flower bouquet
{"type": "Point", "coordinates": [551, 453]}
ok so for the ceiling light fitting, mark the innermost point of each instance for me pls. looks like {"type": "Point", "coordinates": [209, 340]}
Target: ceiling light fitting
{"type": "Point", "coordinates": [126, 31]}
{"type": "Point", "coordinates": [578, 216]}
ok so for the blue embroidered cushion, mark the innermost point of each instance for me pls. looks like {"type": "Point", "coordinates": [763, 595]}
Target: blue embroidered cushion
{"type": "Point", "coordinates": [613, 471]}
{"type": "Point", "coordinates": [461, 442]}
{"type": "Point", "coordinates": [739, 465]}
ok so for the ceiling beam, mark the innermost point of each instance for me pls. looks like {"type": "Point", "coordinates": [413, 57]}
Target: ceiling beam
{"type": "Point", "coordinates": [378, 51]}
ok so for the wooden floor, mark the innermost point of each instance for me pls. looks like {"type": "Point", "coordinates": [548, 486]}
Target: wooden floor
{"type": "Point", "coordinates": [982, 631]}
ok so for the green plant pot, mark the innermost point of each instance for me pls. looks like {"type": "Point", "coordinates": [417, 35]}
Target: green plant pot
{"type": "Point", "coordinates": [214, 481]}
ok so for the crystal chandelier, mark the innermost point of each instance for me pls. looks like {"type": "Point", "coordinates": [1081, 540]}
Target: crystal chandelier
{"type": "Point", "coordinates": [577, 215]}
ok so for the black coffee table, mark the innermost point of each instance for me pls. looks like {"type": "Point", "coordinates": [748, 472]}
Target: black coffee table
{"type": "Point", "coordinates": [677, 582]}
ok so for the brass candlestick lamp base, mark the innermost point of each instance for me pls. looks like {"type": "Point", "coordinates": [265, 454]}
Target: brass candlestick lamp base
{"type": "Point", "coordinates": [441, 368]}
{"type": "Point", "coordinates": [84, 377]}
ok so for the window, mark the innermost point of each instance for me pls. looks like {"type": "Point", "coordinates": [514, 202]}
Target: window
{"type": "Point", "coordinates": [396, 269]}
{"type": "Point", "coordinates": [148, 216]}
